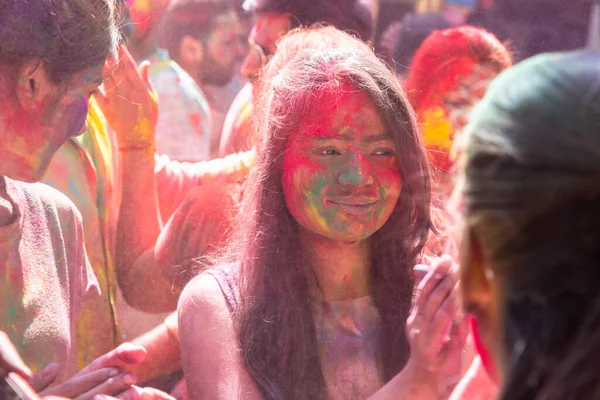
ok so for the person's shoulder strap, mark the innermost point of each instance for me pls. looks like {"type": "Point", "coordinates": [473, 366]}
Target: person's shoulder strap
{"type": "Point", "coordinates": [227, 277]}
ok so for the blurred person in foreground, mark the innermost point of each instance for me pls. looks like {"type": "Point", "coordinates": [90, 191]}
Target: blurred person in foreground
{"type": "Point", "coordinates": [529, 194]}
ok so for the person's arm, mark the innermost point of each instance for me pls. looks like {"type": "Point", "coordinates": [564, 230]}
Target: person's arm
{"type": "Point", "coordinates": [130, 107]}
{"type": "Point", "coordinates": [196, 231]}
{"type": "Point", "coordinates": [211, 358]}
{"type": "Point", "coordinates": [162, 347]}
{"type": "Point", "coordinates": [175, 180]}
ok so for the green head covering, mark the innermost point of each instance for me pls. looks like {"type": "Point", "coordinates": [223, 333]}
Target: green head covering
{"type": "Point", "coordinates": [548, 97]}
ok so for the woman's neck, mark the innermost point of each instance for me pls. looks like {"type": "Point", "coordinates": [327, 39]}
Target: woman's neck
{"type": "Point", "coordinates": [342, 269]}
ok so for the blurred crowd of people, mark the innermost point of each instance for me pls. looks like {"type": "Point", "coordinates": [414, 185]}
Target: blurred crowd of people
{"type": "Point", "coordinates": [284, 199]}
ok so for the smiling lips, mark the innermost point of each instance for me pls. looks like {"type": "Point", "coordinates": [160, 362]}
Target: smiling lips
{"type": "Point", "coordinates": [358, 207]}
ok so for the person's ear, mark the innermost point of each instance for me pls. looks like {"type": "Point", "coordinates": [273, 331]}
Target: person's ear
{"type": "Point", "coordinates": [479, 298]}
{"type": "Point", "coordinates": [191, 51]}
{"type": "Point", "coordinates": [33, 85]}
{"type": "Point", "coordinates": [476, 280]}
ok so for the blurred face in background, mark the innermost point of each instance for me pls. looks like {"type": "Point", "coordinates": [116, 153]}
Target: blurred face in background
{"type": "Point", "coordinates": [459, 101]}
{"type": "Point", "coordinates": [449, 113]}
{"type": "Point", "coordinates": [267, 29]}
{"type": "Point", "coordinates": [145, 15]}
{"type": "Point", "coordinates": [224, 49]}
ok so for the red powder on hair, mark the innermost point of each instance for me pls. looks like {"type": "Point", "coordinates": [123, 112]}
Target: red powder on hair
{"type": "Point", "coordinates": [446, 56]}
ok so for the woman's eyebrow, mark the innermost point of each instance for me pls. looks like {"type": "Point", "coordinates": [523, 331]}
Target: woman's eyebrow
{"type": "Point", "coordinates": [377, 138]}
{"type": "Point", "coordinates": [348, 138]}
{"type": "Point", "coordinates": [333, 136]}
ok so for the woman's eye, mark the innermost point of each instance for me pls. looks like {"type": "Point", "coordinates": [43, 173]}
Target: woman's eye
{"type": "Point", "coordinates": [328, 152]}
{"type": "Point", "coordinates": [384, 152]}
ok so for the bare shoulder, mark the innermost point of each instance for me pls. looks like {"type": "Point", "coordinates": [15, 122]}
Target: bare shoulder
{"type": "Point", "coordinates": [202, 297]}
{"type": "Point", "coordinates": [209, 347]}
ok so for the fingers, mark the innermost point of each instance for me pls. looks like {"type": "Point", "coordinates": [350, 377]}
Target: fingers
{"type": "Point", "coordinates": [435, 288]}
{"type": "Point", "coordinates": [20, 386]}
{"type": "Point", "coordinates": [125, 67]}
{"type": "Point", "coordinates": [10, 361]}
{"type": "Point", "coordinates": [458, 336]}
{"type": "Point", "coordinates": [137, 393]}
{"type": "Point", "coordinates": [443, 319]}
{"type": "Point", "coordinates": [109, 86]}
{"type": "Point", "coordinates": [419, 273]}
{"type": "Point", "coordinates": [133, 393]}
{"type": "Point", "coordinates": [434, 309]}
{"type": "Point", "coordinates": [44, 378]}
{"type": "Point", "coordinates": [123, 356]}
{"type": "Point", "coordinates": [433, 278]}
{"type": "Point", "coordinates": [144, 71]}
{"type": "Point", "coordinates": [81, 383]}
{"type": "Point", "coordinates": [110, 387]}
{"type": "Point", "coordinates": [155, 394]}
{"type": "Point", "coordinates": [120, 70]}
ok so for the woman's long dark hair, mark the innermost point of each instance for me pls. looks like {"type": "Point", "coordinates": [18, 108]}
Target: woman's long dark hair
{"type": "Point", "coordinates": [532, 197]}
{"type": "Point", "coordinates": [274, 320]}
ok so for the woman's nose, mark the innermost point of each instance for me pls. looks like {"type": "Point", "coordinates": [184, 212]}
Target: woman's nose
{"type": "Point", "coordinates": [357, 172]}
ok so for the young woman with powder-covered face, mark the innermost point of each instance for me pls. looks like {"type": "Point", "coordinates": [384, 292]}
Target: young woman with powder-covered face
{"type": "Point", "coordinates": [316, 300]}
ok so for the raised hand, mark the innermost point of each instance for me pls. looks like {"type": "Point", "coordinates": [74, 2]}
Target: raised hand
{"type": "Point", "coordinates": [128, 101]}
{"type": "Point", "coordinates": [437, 329]}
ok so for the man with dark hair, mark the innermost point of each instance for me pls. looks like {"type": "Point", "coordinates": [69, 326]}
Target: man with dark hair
{"type": "Point", "coordinates": [202, 36]}
{"type": "Point", "coordinates": [272, 19]}
{"type": "Point", "coordinates": [202, 40]}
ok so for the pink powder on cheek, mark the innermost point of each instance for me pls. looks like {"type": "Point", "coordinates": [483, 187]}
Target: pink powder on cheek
{"type": "Point", "coordinates": [298, 172]}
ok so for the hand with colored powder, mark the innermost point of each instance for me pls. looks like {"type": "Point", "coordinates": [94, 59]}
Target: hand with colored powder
{"type": "Point", "coordinates": [437, 329]}
{"type": "Point", "coordinates": [129, 102]}
{"type": "Point", "coordinates": [106, 375]}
